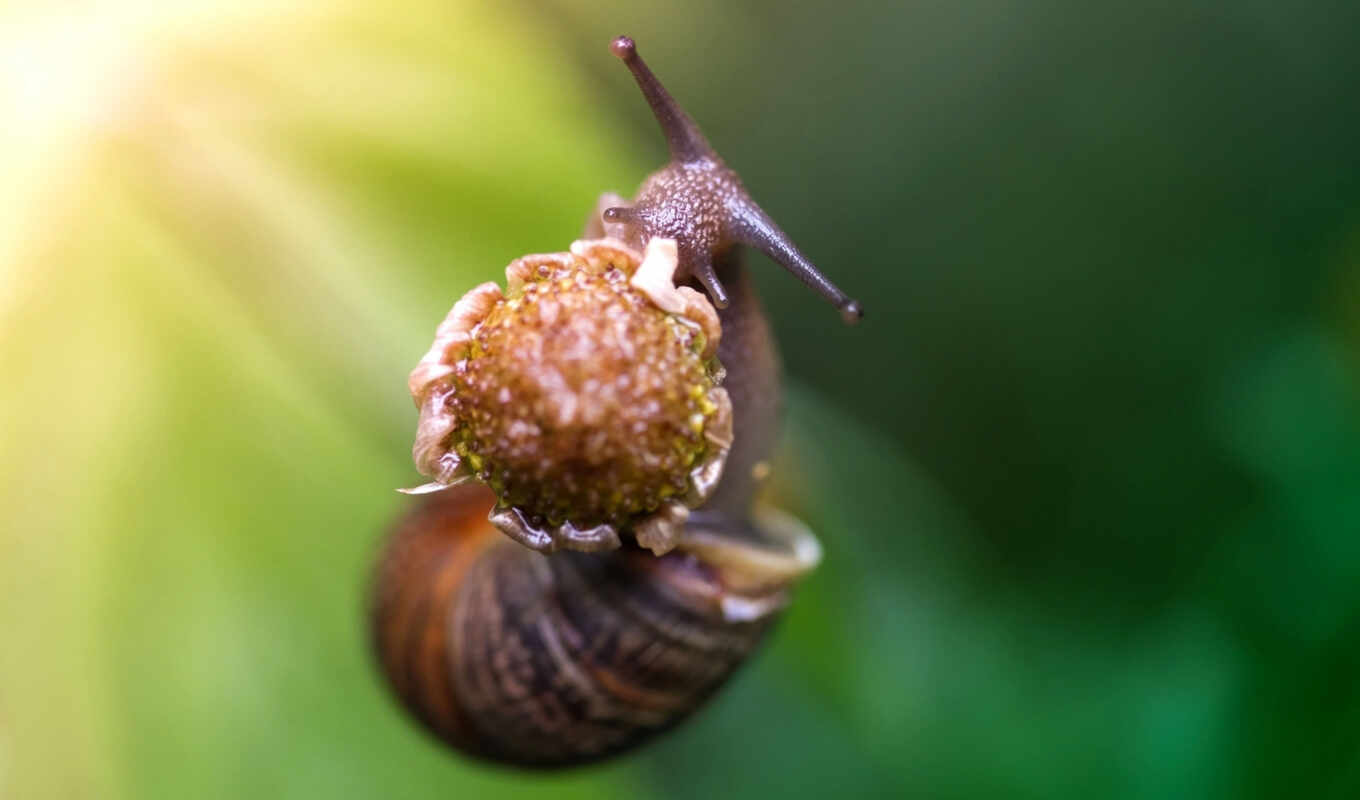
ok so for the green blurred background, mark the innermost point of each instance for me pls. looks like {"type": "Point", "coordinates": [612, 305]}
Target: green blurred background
{"type": "Point", "coordinates": [1088, 477]}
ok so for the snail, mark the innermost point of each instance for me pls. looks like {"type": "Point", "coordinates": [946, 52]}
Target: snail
{"type": "Point", "coordinates": [590, 564]}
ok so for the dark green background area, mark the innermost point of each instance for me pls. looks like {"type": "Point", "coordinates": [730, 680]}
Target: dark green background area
{"type": "Point", "coordinates": [1087, 476]}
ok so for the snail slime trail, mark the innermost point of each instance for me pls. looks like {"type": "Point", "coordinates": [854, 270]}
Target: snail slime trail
{"type": "Point", "coordinates": [587, 564]}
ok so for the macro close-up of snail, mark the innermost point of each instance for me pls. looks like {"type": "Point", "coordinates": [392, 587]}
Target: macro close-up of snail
{"type": "Point", "coordinates": [590, 562]}
{"type": "Point", "coordinates": [389, 412]}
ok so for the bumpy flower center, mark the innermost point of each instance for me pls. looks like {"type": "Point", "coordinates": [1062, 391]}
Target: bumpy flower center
{"type": "Point", "coordinates": [580, 400]}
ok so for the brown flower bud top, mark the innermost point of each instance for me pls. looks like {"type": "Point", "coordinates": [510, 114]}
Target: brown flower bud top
{"type": "Point", "coordinates": [586, 395]}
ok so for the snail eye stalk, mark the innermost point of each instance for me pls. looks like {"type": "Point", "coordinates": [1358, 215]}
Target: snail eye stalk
{"type": "Point", "coordinates": [683, 136]}
{"type": "Point", "coordinates": [701, 203]}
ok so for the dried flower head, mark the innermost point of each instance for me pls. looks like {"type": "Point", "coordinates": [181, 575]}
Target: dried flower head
{"type": "Point", "coordinates": [586, 395]}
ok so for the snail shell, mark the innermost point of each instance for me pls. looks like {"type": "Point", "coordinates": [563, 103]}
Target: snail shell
{"type": "Point", "coordinates": [551, 660]}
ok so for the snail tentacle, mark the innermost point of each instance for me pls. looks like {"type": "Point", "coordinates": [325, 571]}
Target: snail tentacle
{"type": "Point", "coordinates": [686, 141]}
{"type": "Point", "coordinates": [700, 202]}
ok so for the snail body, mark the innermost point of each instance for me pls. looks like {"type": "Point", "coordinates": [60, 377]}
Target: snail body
{"type": "Point", "coordinates": [570, 589]}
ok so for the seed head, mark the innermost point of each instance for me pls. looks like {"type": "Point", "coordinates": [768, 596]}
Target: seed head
{"type": "Point", "coordinates": [586, 395]}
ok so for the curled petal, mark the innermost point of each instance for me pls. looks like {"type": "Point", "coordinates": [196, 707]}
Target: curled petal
{"type": "Point", "coordinates": [655, 276]}
{"type": "Point", "coordinates": [662, 530]}
{"type": "Point", "coordinates": [433, 486]}
{"type": "Point", "coordinates": [548, 538]}
{"type": "Point", "coordinates": [719, 430]}
{"type": "Point", "coordinates": [704, 478]}
{"type": "Point", "coordinates": [605, 253]}
{"type": "Point", "coordinates": [702, 313]}
{"type": "Point", "coordinates": [451, 339]}
{"type": "Point", "coordinates": [431, 452]}
{"type": "Point", "coordinates": [527, 268]}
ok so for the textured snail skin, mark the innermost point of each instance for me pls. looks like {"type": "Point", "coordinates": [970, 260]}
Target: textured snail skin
{"type": "Point", "coordinates": [551, 660]}
{"type": "Point", "coordinates": [545, 660]}
{"type": "Point", "coordinates": [752, 383]}
{"type": "Point", "coordinates": [701, 203]}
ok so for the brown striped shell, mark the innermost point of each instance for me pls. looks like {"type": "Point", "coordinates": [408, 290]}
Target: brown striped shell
{"type": "Point", "coordinates": [542, 660]}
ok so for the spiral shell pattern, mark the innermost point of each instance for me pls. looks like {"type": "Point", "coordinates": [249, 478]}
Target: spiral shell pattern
{"type": "Point", "coordinates": [552, 660]}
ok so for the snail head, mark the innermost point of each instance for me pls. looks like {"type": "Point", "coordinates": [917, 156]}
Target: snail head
{"type": "Point", "coordinates": [700, 202]}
